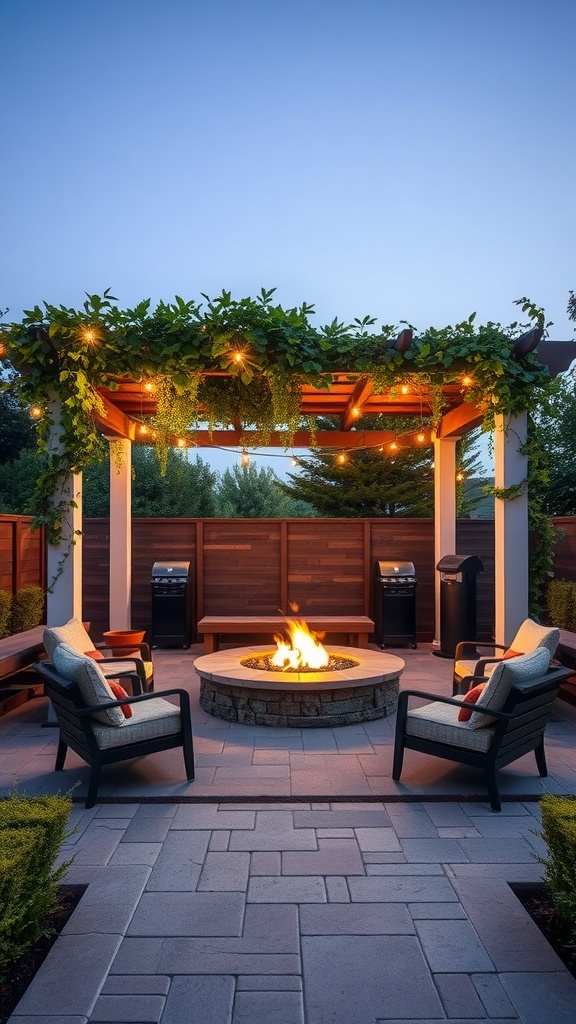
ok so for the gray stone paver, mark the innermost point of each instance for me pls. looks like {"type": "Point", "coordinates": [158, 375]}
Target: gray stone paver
{"type": "Point", "coordinates": [276, 1007]}
{"type": "Point", "coordinates": [299, 912]}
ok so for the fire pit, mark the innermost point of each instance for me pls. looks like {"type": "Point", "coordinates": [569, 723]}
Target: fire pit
{"type": "Point", "coordinates": [231, 690]}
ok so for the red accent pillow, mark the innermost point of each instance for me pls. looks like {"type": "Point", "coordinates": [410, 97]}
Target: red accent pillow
{"type": "Point", "coordinates": [511, 654]}
{"type": "Point", "coordinates": [95, 655]}
{"type": "Point", "coordinates": [465, 714]}
{"type": "Point", "coordinates": [119, 692]}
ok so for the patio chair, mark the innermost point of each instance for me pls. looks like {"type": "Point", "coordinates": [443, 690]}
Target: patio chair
{"type": "Point", "coordinates": [478, 659]}
{"type": "Point", "coordinates": [94, 724]}
{"type": "Point", "coordinates": [513, 710]}
{"type": "Point", "coordinates": [74, 633]}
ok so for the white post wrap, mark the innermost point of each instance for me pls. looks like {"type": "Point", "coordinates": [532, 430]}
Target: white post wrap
{"type": "Point", "coordinates": [510, 528]}
{"type": "Point", "coordinates": [120, 534]}
{"type": "Point", "coordinates": [444, 512]}
{"type": "Point", "coordinates": [64, 562]}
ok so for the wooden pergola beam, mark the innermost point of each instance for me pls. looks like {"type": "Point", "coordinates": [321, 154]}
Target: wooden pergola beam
{"type": "Point", "coordinates": [363, 389]}
{"type": "Point", "coordinates": [114, 423]}
{"type": "Point", "coordinates": [461, 419]}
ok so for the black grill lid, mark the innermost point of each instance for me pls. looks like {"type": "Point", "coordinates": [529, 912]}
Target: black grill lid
{"type": "Point", "coordinates": [394, 568]}
{"type": "Point", "coordinates": [170, 569]}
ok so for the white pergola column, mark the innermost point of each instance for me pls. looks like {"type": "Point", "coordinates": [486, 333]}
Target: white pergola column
{"type": "Point", "coordinates": [64, 562]}
{"type": "Point", "coordinates": [444, 512]}
{"type": "Point", "coordinates": [510, 528]}
{"type": "Point", "coordinates": [120, 534]}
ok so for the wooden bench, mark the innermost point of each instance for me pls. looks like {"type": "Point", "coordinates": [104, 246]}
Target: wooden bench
{"type": "Point", "coordinates": [19, 652]}
{"type": "Point", "coordinates": [356, 627]}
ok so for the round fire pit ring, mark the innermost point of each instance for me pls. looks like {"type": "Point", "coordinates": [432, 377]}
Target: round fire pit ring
{"type": "Point", "coordinates": [299, 700]}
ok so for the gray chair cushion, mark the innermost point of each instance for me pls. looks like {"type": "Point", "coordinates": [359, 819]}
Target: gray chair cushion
{"type": "Point", "coordinates": [150, 719]}
{"type": "Point", "coordinates": [440, 722]}
{"type": "Point", "coordinates": [91, 682]}
{"type": "Point", "coordinates": [503, 678]}
{"type": "Point", "coordinates": [72, 632]}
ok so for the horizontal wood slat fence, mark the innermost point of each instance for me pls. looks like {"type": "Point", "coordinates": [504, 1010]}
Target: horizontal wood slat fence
{"type": "Point", "coordinates": [22, 554]}
{"type": "Point", "coordinates": [258, 566]}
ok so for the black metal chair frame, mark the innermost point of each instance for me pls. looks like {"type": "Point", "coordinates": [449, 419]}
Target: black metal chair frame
{"type": "Point", "coordinates": [520, 726]}
{"type": "Point", "coordinates": [74, 719]}
{"type": "Point", "coordinates": [147, 685]}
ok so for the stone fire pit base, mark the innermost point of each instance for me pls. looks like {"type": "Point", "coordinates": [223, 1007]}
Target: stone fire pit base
{"type": "Point", "coordinates": [295, 700]}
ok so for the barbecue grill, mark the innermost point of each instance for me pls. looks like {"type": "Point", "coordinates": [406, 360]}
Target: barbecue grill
{"type": "Point", "coordinates": [172, 604]}
{"type": "Point", "coordinates": [395, 603]}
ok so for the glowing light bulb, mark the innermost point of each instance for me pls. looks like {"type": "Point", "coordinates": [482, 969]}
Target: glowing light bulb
{"type": "Point", "coordinates": [143, 429]}
{"type": "Point", "coordinates": [181, 442]}
{"type": "Point", "coordinates": [393, 447]}
{"type": "Point", "coordinates": [148, 386]}
{"type": "Point", "coordinates": [244, 459]}
{"type": "Point", "coordinates": [404, 389]}
{"type": "Point", "coordinates": [36, 412]}
{"type": "Point", "coordinates": [356, 411]}
{"type": "Point", "coordinates": [420, 437]}
{"type": "Point", "coordinates": [89, 335]}
{"type": "Point", "coordinates": [294, 461]}
{"type": "Point", "coordinates": [459, 477]}
{"type": "Point", "coordinates": [238, 357]}
{"type": "Point", "coordinates": [341, 458]}
{"type": "Point", "coordinates": [466, 381]}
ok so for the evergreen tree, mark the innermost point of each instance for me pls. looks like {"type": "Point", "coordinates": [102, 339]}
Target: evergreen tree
{"type": "Point", "coordinates": [248, 493]}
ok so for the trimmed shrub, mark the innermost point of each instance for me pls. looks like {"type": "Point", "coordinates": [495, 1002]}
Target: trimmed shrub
{"type": "Point", "coordinates": [32, 829]}
{"type": "Point", "coordinates": [27, 609]}
{"type": "Point", "coordinates": [559, 834]}
{"type": "Point", "coordinates": [561, 604]}
{"type": "Point", "coordinates": [5, 609]}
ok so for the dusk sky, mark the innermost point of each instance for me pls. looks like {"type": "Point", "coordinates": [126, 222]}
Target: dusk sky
{"type": "Point", "coordinates": [409, 159]}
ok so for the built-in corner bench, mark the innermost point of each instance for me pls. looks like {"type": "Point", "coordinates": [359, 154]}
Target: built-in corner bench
{"type": "Point", "coordinates": [356, 628]}
{"type": "Point", "coordinates": [17, 653]}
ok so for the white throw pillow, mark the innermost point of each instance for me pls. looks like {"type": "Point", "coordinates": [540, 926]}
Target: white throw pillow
{"type": "Point", "coordinates": [91, 682]}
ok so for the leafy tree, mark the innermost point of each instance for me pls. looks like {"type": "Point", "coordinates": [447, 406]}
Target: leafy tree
{"type": "Point", "coordinates": [557, 436]}
{"type": "Point", "coordinates": [18, 481]}
{"type": "Point", "coordinates": [187, 489]}
{"type": "Point", "coordinates": [16, 429]}
{"type": "Point", "coordinates": [246, 492]}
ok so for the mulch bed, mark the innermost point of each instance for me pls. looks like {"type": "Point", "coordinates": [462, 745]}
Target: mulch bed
{"type": "Point", "coordinates": [20, 972]}
{"type": "Point", "coordinates": [537, 901]}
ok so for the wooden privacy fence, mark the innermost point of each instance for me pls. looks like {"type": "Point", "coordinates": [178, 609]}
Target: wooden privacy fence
{"type": "Point", "coordinates": [22, 554]}
{"type": "Point", "coordinates": [257, 566]}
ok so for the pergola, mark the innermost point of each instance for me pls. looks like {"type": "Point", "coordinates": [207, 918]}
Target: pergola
{"type": "Point", "coordinates": [350, 396]}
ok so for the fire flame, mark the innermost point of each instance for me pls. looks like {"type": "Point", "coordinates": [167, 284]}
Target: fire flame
{"type": "Point", "coordinates": [302, 650]}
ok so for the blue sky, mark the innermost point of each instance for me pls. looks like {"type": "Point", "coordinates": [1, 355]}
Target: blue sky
{"type": "Point", "coordinates": [412, 160]}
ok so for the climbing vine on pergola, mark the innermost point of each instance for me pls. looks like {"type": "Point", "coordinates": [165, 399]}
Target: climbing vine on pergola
{"type": "Point", "coordinates": [224, 361]}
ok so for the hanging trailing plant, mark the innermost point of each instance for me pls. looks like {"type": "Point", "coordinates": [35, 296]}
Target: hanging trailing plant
{"type": "Point", "coordinates": [176, 411]}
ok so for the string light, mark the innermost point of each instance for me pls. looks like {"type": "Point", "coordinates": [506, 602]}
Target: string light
{"type": "Point", "coordinates": [459, 477]}
{"type": "Point", "coordinates": [341, 458]}
{"type": "Point", "coordinates": [467, 381]}
{"type": "Point", "coordinates": [143, 429]}
{"type": "Point", "coordinates": [404, 389]}
{"type": "Point", "coordinates": [148, 386]}
{"type": "Point", "coordinates": [420, 437]}
{"type": "Point", "coordinates": [393, 447]}
{"type": "Point", "coordinates": [356, 412]}
{"type": "Point", "coordinates": [244, 458]}
{"type": "Point", "coordinates": [181, 442]}
{"type": "Point", "coordinates": [238, 357]}
{"type": "Point", "coordinates": [36, 412]}
{"type": "Point", "coordinates": [294, 461]}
